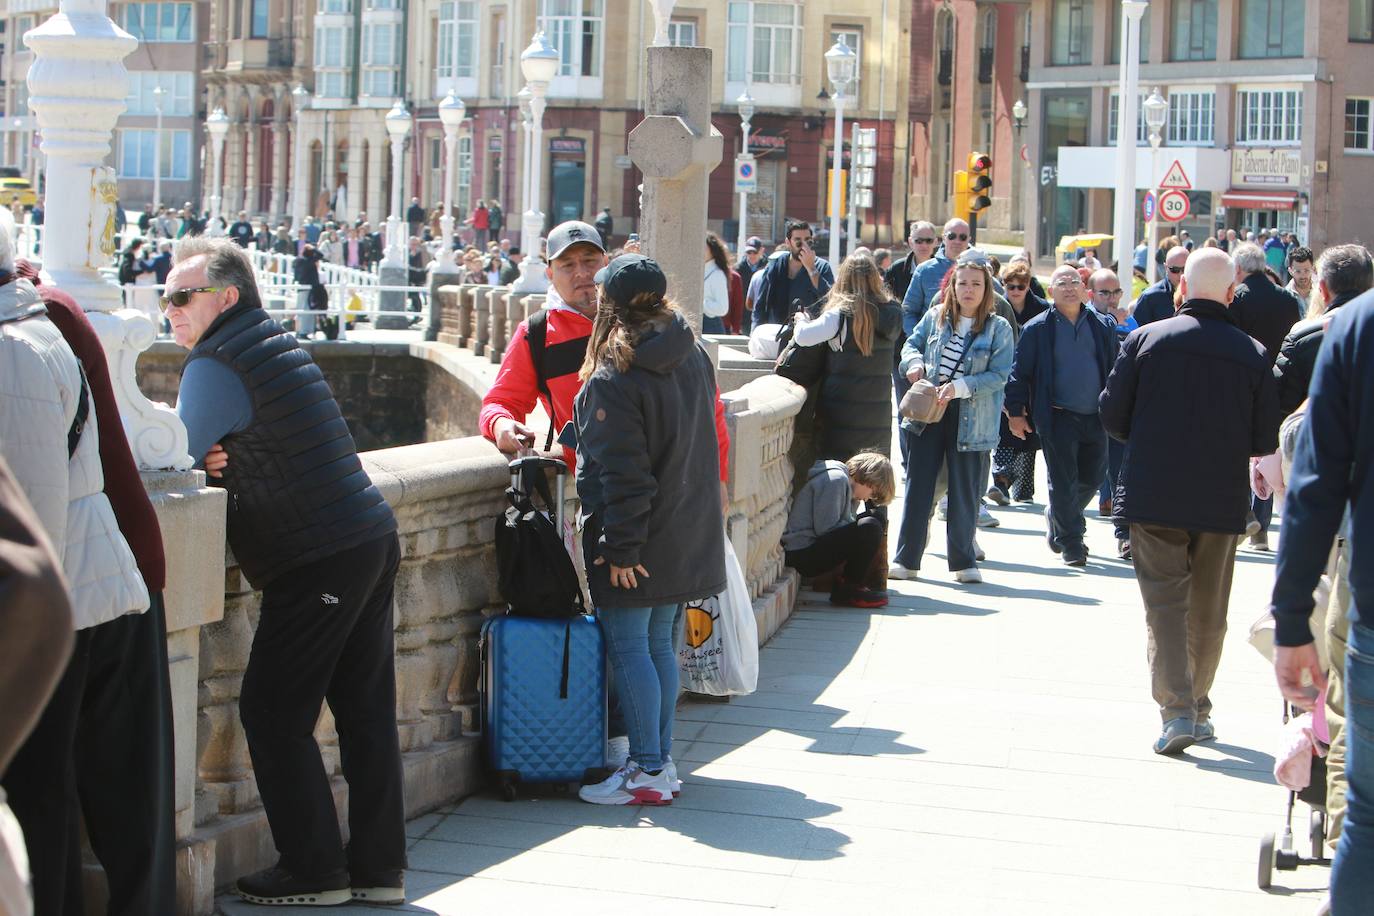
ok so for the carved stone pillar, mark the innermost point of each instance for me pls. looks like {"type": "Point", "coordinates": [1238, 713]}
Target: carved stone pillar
{"type": "Point", "coordinates": [281, 137]}
{"type": "Point", "coordinates": [77, 86]}
{"type": "Point", "coordinates": [249, 201]}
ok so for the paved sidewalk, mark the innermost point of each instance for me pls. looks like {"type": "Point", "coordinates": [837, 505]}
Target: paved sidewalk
{"type": "Point", "coordinates": [966, 750]}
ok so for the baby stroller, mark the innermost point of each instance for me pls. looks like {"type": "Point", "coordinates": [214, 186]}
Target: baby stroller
{"type": "Point", "coordinates": [1276, 850]}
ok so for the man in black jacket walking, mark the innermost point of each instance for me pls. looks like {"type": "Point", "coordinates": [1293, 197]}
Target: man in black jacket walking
{"type": "Point", "coordinates": [1157, 302]}
{"type": "Point", "coordinates": [1343, 272]}
{"type": "Point", "coordinates": [1267, 312]}
{"type": "Point", "coordinates": [310, 530]}
{"type": "Point", "coordinates": [1210, 386]}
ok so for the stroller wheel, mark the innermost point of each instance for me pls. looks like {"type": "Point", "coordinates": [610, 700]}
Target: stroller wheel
{"type": "Point", "coordinates": [1266, 861]}
{"type": "Point", "coordinates": [1317, 833]}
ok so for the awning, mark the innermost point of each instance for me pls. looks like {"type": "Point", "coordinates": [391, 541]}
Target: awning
{"type": "Point", "coordinates": [1260, 200]}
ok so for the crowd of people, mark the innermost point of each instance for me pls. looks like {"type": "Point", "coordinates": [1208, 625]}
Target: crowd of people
{"type": "Point", "coordinates": [981, 365]}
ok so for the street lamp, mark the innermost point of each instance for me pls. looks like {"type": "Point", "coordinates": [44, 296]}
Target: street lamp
{"type": "Point", "coordinates": [158, 93]}
{"type": "Point", "coordinates": [451, 113]}
{"type": "Point", "coordinates": [398, 128]}
{"type": "Point", "coordinates": [539, 63]}
{"type": "Point", "coordinates": [1124, 216]}
{"type": "Point", "coordinates": [218, 126]}
{"type": "Point", "coordinates": [526, 126]}
{"type": "Point", "coordinates": [746, 113]}
{"type": "Point", "coordinates": [1156, 116]}
{"type": "Point", "coordinates": [300, 101]}
{"type": "Point", "coordinates": [840, 62]}
{"type": "Point", "coordinates": [1018, 114]}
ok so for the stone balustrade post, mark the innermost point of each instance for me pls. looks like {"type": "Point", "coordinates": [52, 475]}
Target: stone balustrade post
{"type": "Point", "coordinates": [439, 312]}
{"type": "Point", "coordinates": [498, 335]}
{"type": "Point", "coordinates": [77, 86]}
{"type": "Point", "coordinates": [481, 324]}
{"type": "Point", "coordinates": [465, 314]}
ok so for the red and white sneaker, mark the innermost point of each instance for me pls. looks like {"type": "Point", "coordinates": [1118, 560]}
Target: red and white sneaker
{"type": "Point", "coordinates": [630, 785]}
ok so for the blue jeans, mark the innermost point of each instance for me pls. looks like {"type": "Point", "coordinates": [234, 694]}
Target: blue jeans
{"type": "Point", "coordinates": [1075, 449]}
{"type": "Point", "coordinates": [639, 644]}
{"type": "Point", "coordinates": [1116, 453]}
{"type": "Point", "coordinates": [938, 447]}
{"type": "Point", "coordinates": [711, 325]}
{"type": "Point", "coordinates": [1352, 872]}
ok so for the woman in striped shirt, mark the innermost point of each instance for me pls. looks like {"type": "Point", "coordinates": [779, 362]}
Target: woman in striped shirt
{"type": "Point", "coordinates": [965, 348]}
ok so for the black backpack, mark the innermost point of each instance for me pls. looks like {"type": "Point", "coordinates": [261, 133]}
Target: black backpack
{"type": "Point", "coordinates": [535, 575]}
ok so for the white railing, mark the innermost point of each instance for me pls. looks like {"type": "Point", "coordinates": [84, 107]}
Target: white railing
{"type": "Point", "coordinates": [28, 241]}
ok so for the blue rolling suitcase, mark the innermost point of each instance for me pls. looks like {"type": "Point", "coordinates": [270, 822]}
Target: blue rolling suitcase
{"type": "Point", "coordinates": [543, 679]}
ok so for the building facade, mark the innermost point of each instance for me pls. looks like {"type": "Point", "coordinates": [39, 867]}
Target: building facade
{"type": "Point", "coordinates": [1269, 114]}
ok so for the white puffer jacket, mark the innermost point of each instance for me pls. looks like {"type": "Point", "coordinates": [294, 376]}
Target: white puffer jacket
{"type": "Point", "coordinates": [40, 386]}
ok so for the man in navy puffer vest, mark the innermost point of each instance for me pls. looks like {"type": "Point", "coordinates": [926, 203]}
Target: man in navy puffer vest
{"type": "Point", "coordinates": [310, 530]}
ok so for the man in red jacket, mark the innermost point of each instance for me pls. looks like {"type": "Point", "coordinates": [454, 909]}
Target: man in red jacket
{"type": "Point", "coordinates": [575, 255]}
{"type": "Point", "coordinates": [124, 767]}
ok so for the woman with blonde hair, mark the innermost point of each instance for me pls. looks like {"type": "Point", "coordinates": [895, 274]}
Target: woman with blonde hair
{"type": "Point", "coordinates": [965, 348]}
{"type": "Point", "coordinates": [860, 323]}
{"type": "Point", "coordinates": [648, 473]}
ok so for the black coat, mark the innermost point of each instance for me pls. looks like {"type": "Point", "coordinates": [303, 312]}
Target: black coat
{"type": "Point", "coordinates": [854, 405]}
{"type": "Point", "coordinates": [1298, 356]}
{"type": "Point", "coordinates": [648, 472]}
{"type": "Point", "coordinates": [898, 276]}
{"type": "Point", "coordinates": [1193, 398]}
{"type": "Point", "coordinates": [1266, 312]}
{"type": "Point", "coordinates": [1155, 304]}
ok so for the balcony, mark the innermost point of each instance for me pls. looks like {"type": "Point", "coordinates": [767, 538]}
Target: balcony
{"type": "Point", "coordinates": [258, 54]}
{"type": "Point", "coordinates": [985, 65]}
{"type": "Point", "coordinates": [945, 74]}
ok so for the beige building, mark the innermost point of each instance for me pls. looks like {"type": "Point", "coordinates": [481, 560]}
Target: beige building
{"type": "Point", "coordinates": [1269, 114]}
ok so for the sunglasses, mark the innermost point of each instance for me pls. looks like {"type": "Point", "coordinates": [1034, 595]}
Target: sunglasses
{"type": "Point", "coordinates": [1016, 287]}
{"type": "Point", "coordinates": [1175, 270]}
{"type": "Point", "coordinates": [182, 296]}
{"type": "Point", "coordinates": [957, 236]}
{"type": "Point", "coordinates": [923, 241]}
{"type": "Point", "coordinates": [1109, 293]}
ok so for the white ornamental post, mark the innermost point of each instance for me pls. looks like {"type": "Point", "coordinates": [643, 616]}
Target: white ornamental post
{"type": "Point", "coordinates": [217, 124]}
{"type": "Point", "coordinates": [526, 127]}
{"type": "Point", "coordinates": [451, 113]}
{"type": "Point", "coordinates": [158, 93]}
{"type": "Point", "coordinates": [1156, 116]}
{"type": "Point", "coordinates": [77, 85]}
{"type": "Point", "coordinates": [1124, 221]}
{"type": "Point", "coordinates": [300, 101]}
{"type": "Point", "coordinates": [746, 113]}
{"type": "Point", "coordinates": [539, 63]}
{"type": "Point", "coordinates": [398, 126]}
{"type": "Point", "coordinates": [840, 61]}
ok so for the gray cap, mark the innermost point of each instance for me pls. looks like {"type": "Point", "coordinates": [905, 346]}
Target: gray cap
{"type": "Point", "coordinates": [573, 232]}
{"type": "Point", "coordinates": [974, 256]}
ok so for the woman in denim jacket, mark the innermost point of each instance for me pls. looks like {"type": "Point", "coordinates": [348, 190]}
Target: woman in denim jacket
{"type": "Point", "coordinates": [965, 348]}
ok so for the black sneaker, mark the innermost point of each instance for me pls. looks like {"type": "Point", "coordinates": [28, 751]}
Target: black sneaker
{"type": "Point", "coordinates": [1050, 538]}
{"type": "Point", "coordinates": [1075, 556]}
{"type": "Point", "coordinates": [388, 887]}
{"type": "Point", "coordinates": [276, 886]}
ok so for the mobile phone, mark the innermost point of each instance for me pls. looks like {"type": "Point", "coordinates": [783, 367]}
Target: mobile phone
{"type": "Point", "coordinates": [634, 237]}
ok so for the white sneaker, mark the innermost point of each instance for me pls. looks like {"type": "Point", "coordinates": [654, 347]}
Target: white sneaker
{"type": "Point", "coordinates": [969, 576]}
{"type": "Point", "coordinates": [617, 751]}
{"type": "Point", "coordinates": [898, 571]}
{"type": "Point", "coordinates": [943, 510]}
{"type": "Point", "coordinates": [670, 771]}
{"type": "Point", "coordinates": [630, 785]}
{"type": "Point", "coordinates": [985, 518]}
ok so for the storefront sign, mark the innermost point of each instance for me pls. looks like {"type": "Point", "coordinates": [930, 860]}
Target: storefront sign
{"type": "Point", "coordinates": [493, 143]}
{"type": "Point", "coordinates": [1266, 168]}
{"type": "Point", "coordinates": [763, 144]}
{"type": "Point", "coordinates": [567, 145]}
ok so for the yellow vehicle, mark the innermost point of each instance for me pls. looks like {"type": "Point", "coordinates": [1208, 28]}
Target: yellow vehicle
{"type": "Point", "coordinates": [14, 186]}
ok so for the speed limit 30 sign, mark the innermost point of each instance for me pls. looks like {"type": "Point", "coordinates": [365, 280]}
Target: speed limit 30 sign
{"type": "Point", "coordinates": [1173, 206]}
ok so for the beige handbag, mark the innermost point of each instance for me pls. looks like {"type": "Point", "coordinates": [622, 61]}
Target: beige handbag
{"type": "Point", "coordinates": [922, 403]}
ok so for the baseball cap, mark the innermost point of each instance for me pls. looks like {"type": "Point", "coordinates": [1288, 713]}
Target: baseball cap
{"type": "Point", "coordinates": [973, 256]}
{"type": "Point", "coordinates": [753, 242]}
{"type": "Point", "coordinates": [631, 274]}
{"type": "Point", "coordinates": [573, 232]}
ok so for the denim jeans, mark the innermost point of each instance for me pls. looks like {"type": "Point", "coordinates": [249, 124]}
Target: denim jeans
{"type": "Point", "coordinates": [1352, 872]}
{"type": "Point", "coordinates": [1075, 449]}
{"type": "Point", "coordinates": [1264, 511]}
{"type": "Point", "coordinates": [639, 644]}
{"type": "Point", "coordinates": [1116, 453]}
{"type": "Point", "coordinates": [711, 325]}
{"type": "Point", "coordinates": [935, 448]}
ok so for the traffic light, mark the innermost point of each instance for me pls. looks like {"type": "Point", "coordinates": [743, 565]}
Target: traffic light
{"type": "Point", "coordinates": [979, 182]}
{"type": "Point", "coordinates": [961, 195]}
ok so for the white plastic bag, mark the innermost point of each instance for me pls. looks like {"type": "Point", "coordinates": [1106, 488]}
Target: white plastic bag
{"type": "Point", "coordinates": [763, 341]}
{"type": "Point", "coordinates": [720, 655]}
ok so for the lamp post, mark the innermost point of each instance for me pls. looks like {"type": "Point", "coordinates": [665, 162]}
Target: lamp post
{"type": "Point", "coordinates": [218, 126]}
{"type": "Point", "coordinates": [526, 126]}
{"type": "Point", "coordinates": [1124, 221]}
{"type": "Point", "coordinates": [539, 63]}
{"type": "Point", "coordinates": [300, 101]}
{"type": "Point", "coordinates": [451, 113]}
{"type": "Point", "coordinates": [398, 128]}
{"type": "Point", "coordinates": [746, 113]}
{"type": "Point", "coordinates": [839, 65]}
{"type": "Point", "coordinates": [1156, 116]}
{"type": "Point", "coordinates": [1018, 115]}
{"type": "Point", "coordinates": [158, 93]}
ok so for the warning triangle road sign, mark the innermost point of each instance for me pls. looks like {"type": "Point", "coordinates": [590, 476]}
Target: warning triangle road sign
{"type": "Point", "coordinates": [1175, 178]}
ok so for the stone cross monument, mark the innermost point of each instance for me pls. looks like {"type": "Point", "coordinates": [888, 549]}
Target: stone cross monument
{"type": "Point", "coordinates": [676, 148]}
{"type": "Point", "coordinates": [77, 85]}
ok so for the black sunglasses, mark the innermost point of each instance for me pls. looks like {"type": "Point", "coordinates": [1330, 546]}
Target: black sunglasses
{"type": "Point", "coordinates": [1175, 270]}
{"type": "Point", "coordinates": [960, 236]}
{"type": "Point", "coordinates": [182, 296]}
{"type": "Point", "coordinates": [1016, 287]}
{"type": "Point", "coordinates": [923, 241]}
